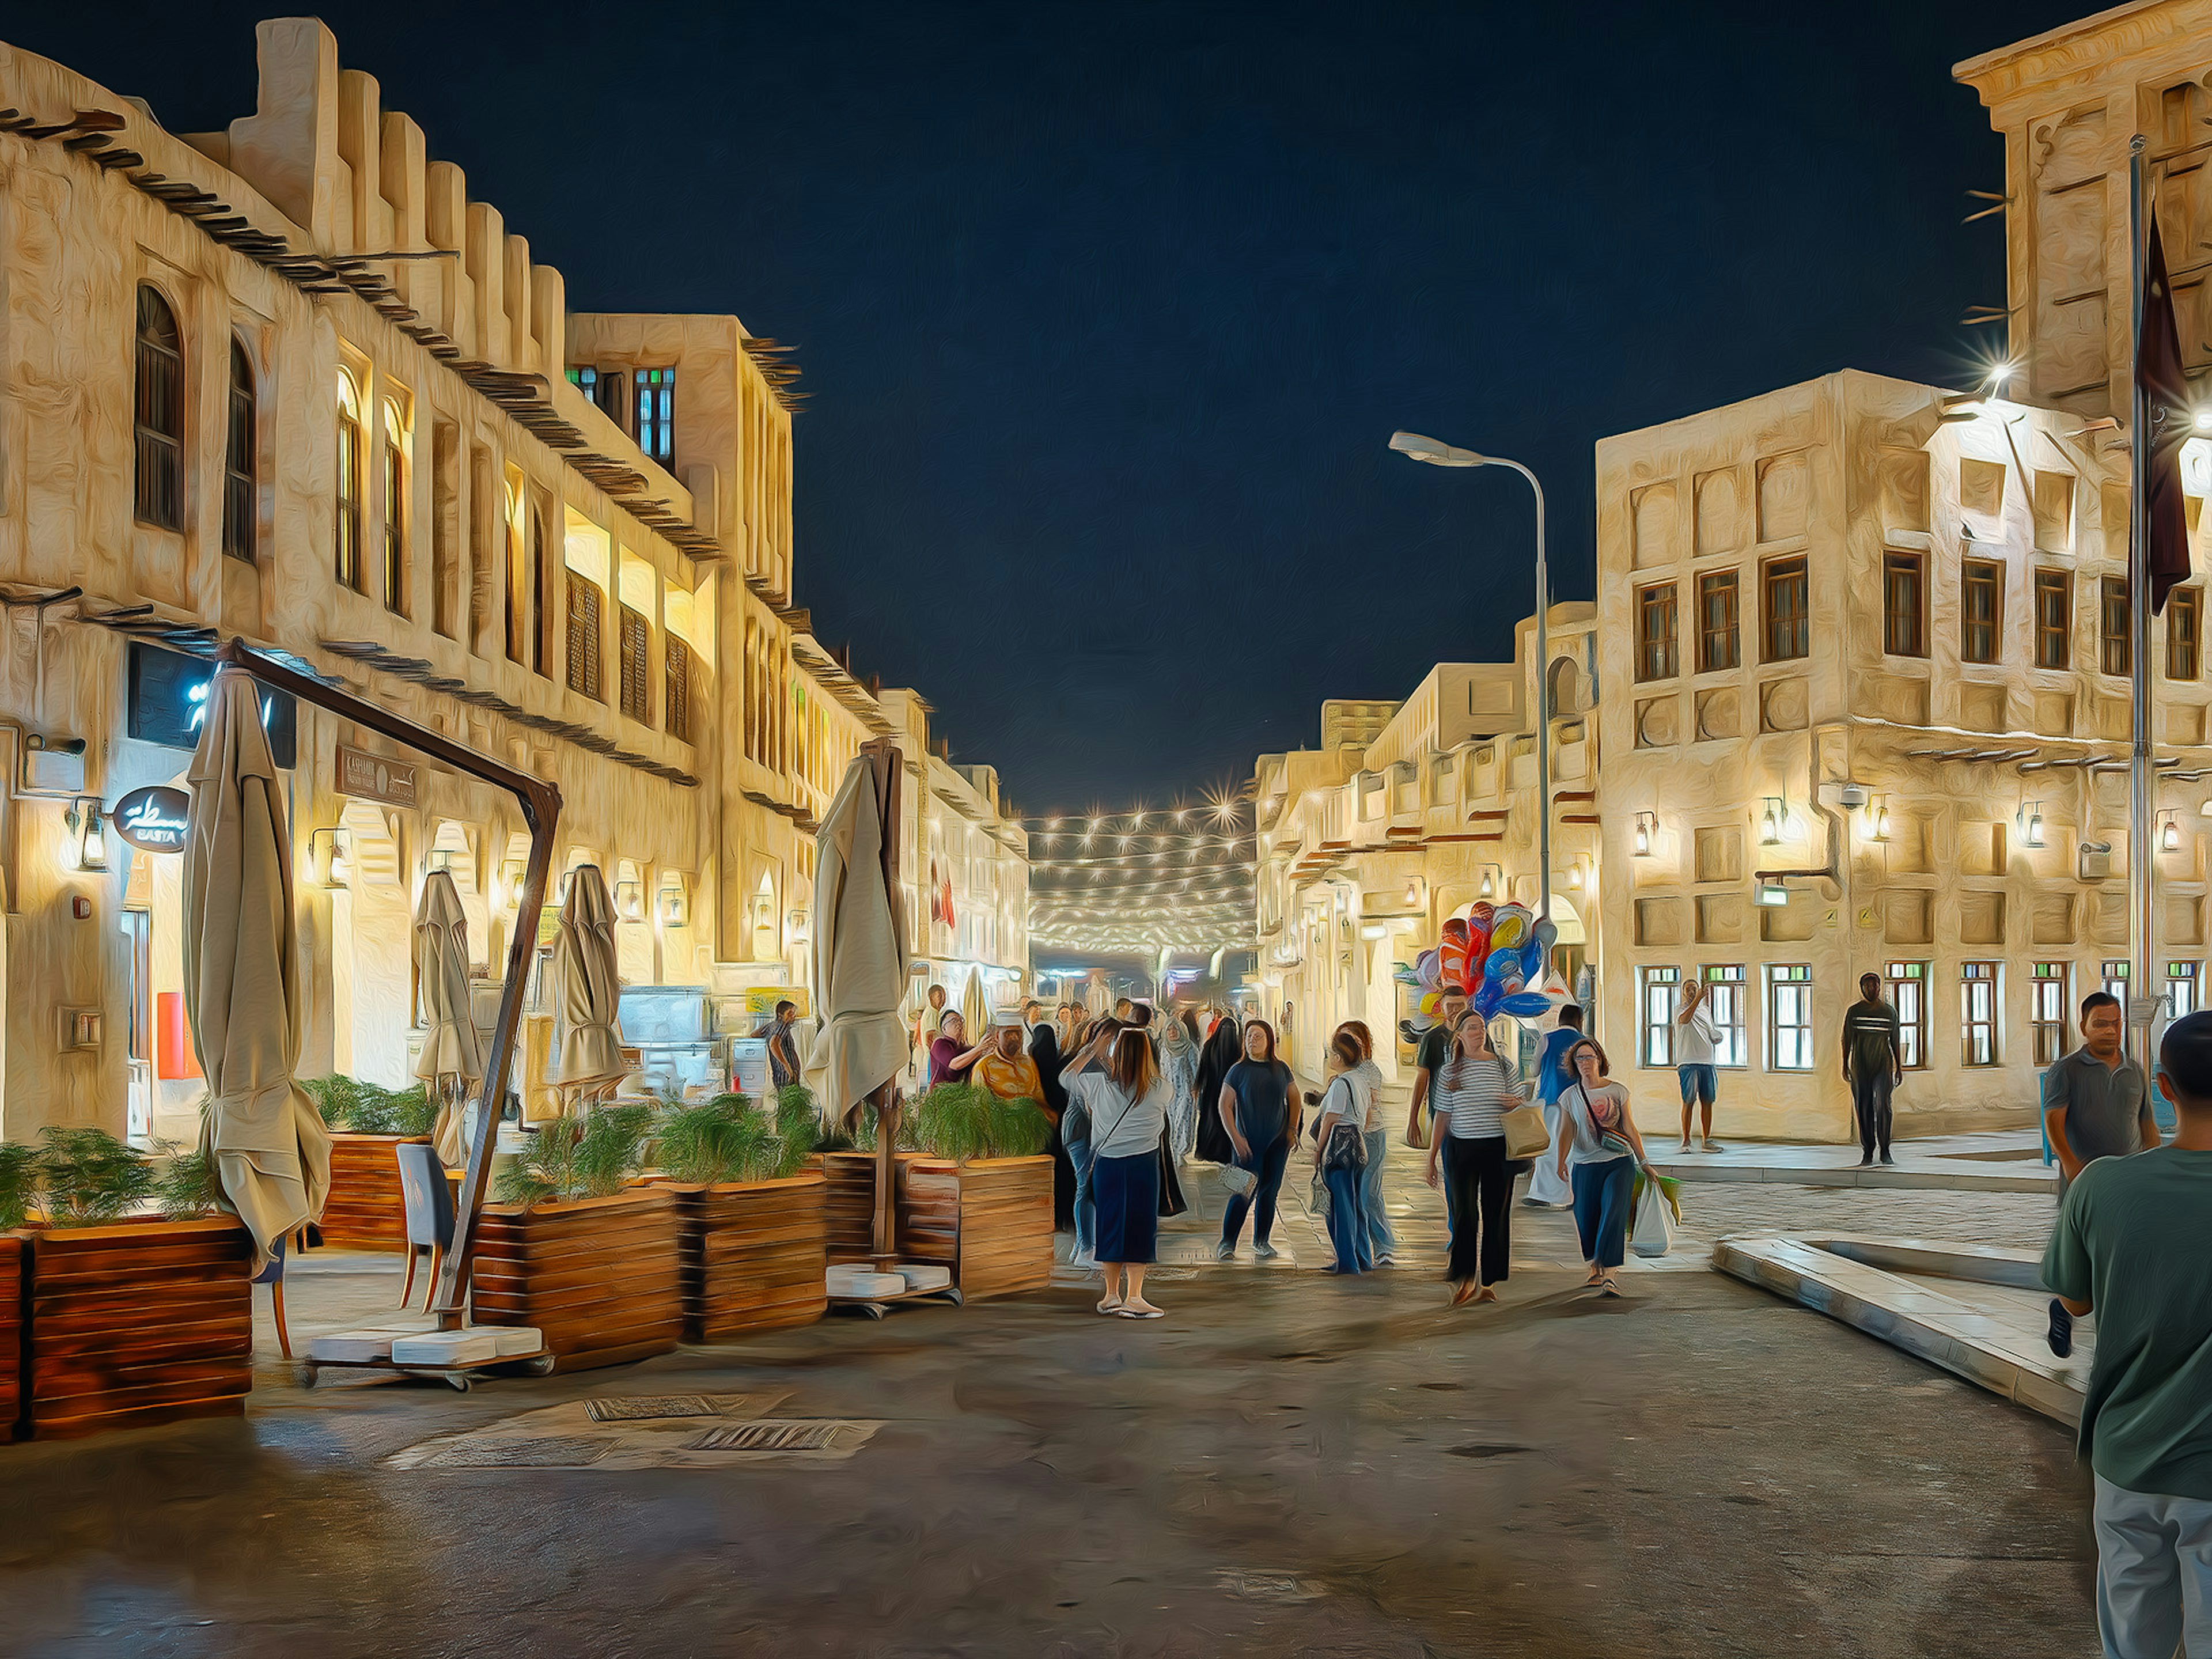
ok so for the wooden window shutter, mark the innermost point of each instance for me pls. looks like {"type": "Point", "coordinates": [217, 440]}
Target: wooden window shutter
{"type": "Point", "coordinates": [677, 698]}
{"type": "Point", "coordinates": [636, 649]}
{"type": "Point", "coordinates": [584, 635]}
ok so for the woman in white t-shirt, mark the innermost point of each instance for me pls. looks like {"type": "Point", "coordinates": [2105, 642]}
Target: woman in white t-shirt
{"type": "Point", "coordinates": [1598, 1152]}
{"type": "Point", "coordinates": [1367, 1083]}
{"type": "Point", "coordinates": [1696, 1044]}
{"type": "Point", "coordinates": [1126, 1101]}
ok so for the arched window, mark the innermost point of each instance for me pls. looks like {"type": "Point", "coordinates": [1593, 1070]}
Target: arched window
{"type": "Point", "coordinates": [240, 507]}
{"type": "Point", "coordinates": [160, 417]}
{"type": "Point", "coordinates": [516, 579]}
{"type": "Point", "coordinates": [348, 545]}
{"type": "Point", "coordinates": [395, 508]}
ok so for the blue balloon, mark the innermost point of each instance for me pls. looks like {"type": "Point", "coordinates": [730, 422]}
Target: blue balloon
{"type": "Point", "coordinates": [1526, 1004]}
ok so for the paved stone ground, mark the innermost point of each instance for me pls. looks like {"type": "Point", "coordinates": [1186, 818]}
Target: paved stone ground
{"type": "Point", "coordinates": [2018, 1220]}
{"type": "Point", "coordinates": [1288, 1463]}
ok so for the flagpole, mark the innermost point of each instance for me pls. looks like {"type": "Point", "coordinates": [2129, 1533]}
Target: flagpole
{"type": "Point", "coordinates": [2141, 815]}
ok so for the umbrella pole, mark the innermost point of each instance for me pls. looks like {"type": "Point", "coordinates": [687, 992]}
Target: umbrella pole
{"type": "Point", "coordinates": [886, 1224]}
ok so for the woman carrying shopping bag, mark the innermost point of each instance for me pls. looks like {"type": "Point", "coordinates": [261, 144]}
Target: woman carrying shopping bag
{"type": "Point", "coordinates": [1598, 1153]}
{"type": "Point", "coordinates": [1340, 1155]}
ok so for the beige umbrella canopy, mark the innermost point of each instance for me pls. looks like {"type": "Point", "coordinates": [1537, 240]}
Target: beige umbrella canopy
{"type": "Point", "coordinates": [976, 1010]}
{"type": "Point", "coordinates": [860, 947]}
{"type": "Point", "coordinates": [584, 987]}
{"type": "Point", "coordinates": [241, 974]}
{"type": "Point", "coordinates": [452, 1057]}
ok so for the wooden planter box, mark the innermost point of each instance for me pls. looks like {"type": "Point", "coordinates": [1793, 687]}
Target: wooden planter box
{"type": "Point", "coordinates": [989, 1221]}
{"type": "Point", "coordinates": [366, 1211]}
{"type": "Point", "coordinates": [11, 1332]}
{"type": "Point", "coordinates": [601, 1277]}
{"type": "Point", "coordinates": [753, 1254]}
{"type": "Point", "coordinates": [142, 1322]}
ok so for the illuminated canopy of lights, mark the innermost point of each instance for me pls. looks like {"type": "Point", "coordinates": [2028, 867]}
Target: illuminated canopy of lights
{"type": "Point", "coordinates": [1178, 878]}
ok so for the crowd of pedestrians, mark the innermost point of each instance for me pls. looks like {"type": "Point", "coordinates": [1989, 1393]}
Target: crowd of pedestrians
{"type": "Point", "coordinates": [1134, 1093]}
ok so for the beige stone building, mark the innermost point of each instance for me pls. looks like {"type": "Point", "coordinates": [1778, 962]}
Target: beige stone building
{"type": "Point", "coordinates": [1409, 812]}
{"type": "Point", "coordinates": [290, 381]}
{"type": "Point", "coordinates": [1865, 649]}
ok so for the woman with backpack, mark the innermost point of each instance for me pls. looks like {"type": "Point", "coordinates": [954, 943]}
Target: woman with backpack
{"type": "Point", "coordinates": [1598, 1152]}
{"type": "Point", "coordinates": [1340, 1154]}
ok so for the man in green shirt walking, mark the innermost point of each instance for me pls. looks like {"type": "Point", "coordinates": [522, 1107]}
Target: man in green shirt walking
{"type": "Point", "coordinates": [2132, 1244]}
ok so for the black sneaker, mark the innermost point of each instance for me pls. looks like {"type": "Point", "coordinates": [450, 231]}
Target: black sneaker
{"type": "Point", "coordinates": [2061, 1334]}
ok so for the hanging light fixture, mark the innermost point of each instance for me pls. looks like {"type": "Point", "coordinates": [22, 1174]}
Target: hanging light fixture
{"type": "Point", "coordinates": [1646, 831]}
{"type": "Point", "coordinates": [2030, 820]}
{"type": "Point", "coordinates": [630, 901]}
{"type": "Point", "coordinates": [333, 868]}
{"type": "Point", "coordinates": [1771, 820]}
{"type": "Point", "coordinates": [2169, 832]}
{"type": "Point", "coordinates": [85, 822]}
{"type": "Point", "coordinates": [1877, 818]}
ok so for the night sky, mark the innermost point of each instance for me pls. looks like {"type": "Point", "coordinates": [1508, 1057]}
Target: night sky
{"type": "Point", "coordinates": [1109, 311]}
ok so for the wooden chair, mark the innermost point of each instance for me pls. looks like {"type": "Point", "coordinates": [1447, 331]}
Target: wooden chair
{"type": "Point", "coordinates": [273, 1277]}
{"type": "Point", "coordinates": [429, 1205]}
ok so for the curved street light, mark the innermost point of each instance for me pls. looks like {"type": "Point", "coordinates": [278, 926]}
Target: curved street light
{"type": "Point", "coordinates": [1437, 453]}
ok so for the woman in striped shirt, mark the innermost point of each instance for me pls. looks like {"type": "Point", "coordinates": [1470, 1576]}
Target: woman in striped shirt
{"type": "Point", "coordinates": [1475, 1086]}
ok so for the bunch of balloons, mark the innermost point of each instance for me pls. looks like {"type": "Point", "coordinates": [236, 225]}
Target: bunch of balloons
{"type": "Point", "coordinates": [1498, 954]}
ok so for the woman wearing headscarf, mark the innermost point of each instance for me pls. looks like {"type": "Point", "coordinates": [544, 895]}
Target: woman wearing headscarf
{"type": "Point", "coordinates": [1179, 1068]}
{"type": "Point", "coordinates": [1044, 1051]}
{"type": "Point", "coordinates": [1223, 1050]}
{"type": "Point", "coordinates": [950, 1058]}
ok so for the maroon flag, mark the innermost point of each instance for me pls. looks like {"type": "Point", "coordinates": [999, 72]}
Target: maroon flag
{"type": "Point", "coordinates": [2162, 391]}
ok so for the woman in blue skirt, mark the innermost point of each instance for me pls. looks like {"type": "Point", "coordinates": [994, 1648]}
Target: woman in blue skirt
{"type": "Point", "coordinates": [1125, 1100]}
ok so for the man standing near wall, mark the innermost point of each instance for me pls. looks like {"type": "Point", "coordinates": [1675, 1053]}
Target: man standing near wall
{"type": "Point", "coordinates": [1874, 1064]}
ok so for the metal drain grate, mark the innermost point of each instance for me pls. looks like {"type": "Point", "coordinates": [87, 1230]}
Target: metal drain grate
{"type": "Point", "coordinates": [769, 1436]}
{"type": "Point", "coordinates": [569, 1452]}
{"type": "Point", "coordinates": [638, 1408]}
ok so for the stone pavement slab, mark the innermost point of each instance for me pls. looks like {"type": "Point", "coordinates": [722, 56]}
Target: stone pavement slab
{"type": "Point", "coordinates": [1973, 1310]}
{"type": "Point", "coordinates": [2007, 1162]}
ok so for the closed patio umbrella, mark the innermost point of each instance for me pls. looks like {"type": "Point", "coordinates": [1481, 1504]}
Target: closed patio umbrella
{"type": "Point", "coordinates": [975, 1009]}
{"type": "Point", "coordinates": [452, 1057]}
{"type": "Point", "coordinates": [585, 989]}
{"type": "Point", "coordinates": [859, 947]}
{"type": "Point", "coordinates": [270, 1149]}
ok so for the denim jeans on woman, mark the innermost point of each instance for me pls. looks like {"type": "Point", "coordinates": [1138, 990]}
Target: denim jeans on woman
{"type": "Point", "coordinates": [1381, 1240]}
{"type": "Point", "coordinates": [1347, 1221]}
{"type": "Point", "coordinates": [1086, 1208]}
{"type": "Point", "coordinates": [1266, 1164]}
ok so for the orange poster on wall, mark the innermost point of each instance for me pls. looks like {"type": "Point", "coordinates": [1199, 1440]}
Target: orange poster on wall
{"type": "Point", "coordinates": [173, 1059]}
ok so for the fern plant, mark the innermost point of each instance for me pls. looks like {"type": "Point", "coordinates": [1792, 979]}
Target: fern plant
{"type": "Point", "coordinates": [960, 1121]}
{"type": "Point", "coordinates": [88, 1178]}
{"type": "Point", "coordinates": [18, 1184]}
{"type": "Point", "coordinates": [368, 1109]}
{"type": "Point", "coordinates": [711, 1141]}
{"type": "Point", "coordinates": [586, 1154]}
{"type": "Point", "coordinates": [190, 1186]}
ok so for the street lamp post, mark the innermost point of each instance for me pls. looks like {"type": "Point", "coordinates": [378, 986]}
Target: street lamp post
{"type": "Point", "coordinates": [1436, 453]}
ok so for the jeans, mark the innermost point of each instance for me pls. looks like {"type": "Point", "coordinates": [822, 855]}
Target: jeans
{"type": "Point", "coordinates": [1086, 1205]}
{"type": "Point", "coordinates": [1381, 1240]}
{"type": "Point", "coordinates": [1267, 1164]}
{"type": "Point", "coordinates": [1870, 1101]}
{"type": "Point", "coordinates": [1601, 1192]}
{"type": "Point", "coordinates": [1347, 1221]}
{"type": "Point", "coordinates": [2154, 1573]}
{"type": "Point", "coordinates": [1480, 1179]}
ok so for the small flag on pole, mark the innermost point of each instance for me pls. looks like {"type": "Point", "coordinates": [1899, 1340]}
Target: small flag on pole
{"type": "Point", "coordinates": [2163, 390]}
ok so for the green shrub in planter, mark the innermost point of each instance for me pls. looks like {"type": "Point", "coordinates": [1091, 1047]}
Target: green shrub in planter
{"type": "Point", "coordinates": [18, 1184]}
{"type": "Point", "coordinates": [731, 1138]}
{"type": "Point", "coordinates": [580, 1154]}
{"type": "Point", "coordinates": [367, 1108]}
{"type": "Point", "coordinates": [962, 1121]}
{"type": "Point", "coordinates": [88, 1178]}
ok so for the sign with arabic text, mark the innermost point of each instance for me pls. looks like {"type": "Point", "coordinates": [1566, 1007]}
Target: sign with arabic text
{"type": "Point", "coordinates": [153, 819]}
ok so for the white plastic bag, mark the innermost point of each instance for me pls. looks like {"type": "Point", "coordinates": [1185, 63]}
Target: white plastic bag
{"type": "Point", "coordinates": [1653, 1233]}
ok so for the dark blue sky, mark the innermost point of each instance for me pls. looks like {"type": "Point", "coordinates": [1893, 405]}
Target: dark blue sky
{"type": "Point", "coordinates": [1107, 311]}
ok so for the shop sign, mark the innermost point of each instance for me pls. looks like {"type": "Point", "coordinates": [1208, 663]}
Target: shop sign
{"type": "Point", "coordinates": [373, 777]}
{"type": "Point", "coordinates": [167, 701]}
{"type": "Point", "coordinates": [761, 1000]}
{"type": "Point", "coordinates": [153, 820]}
